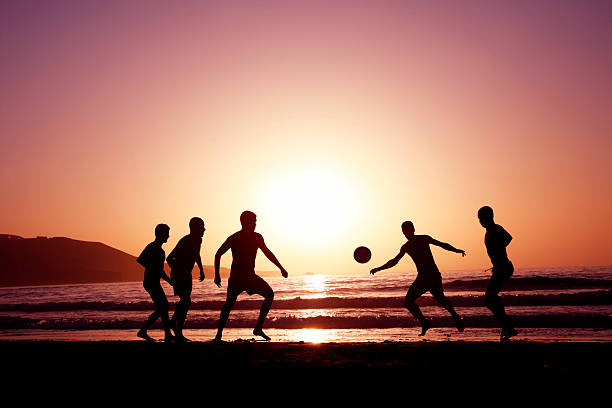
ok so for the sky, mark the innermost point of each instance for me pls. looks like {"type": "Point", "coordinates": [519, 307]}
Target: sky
{"type": "Point", "coordinates": [333, 121]}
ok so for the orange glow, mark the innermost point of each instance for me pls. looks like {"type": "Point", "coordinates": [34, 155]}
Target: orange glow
{"type": "Point", "coordinates": [309, 206]}
{"type": "Point", "coordinates": [333, 121]}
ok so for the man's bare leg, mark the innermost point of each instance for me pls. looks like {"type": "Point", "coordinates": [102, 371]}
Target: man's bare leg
{"type": "Point", "coordinates": [263, 312]}
{"type": "Point", "coordinates": [225, 311]}
{"type": "Point", "coordinates": [444, 301]}
{"type": "Point", "coordinates": [410, 302]}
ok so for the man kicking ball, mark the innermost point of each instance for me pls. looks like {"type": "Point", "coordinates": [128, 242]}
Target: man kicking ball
{"type": "Point", "coordinates": [428, 277]}
{"type": "Point", "coordinates": [244, 245]}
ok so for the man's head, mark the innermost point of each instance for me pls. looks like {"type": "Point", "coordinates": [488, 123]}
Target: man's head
{"type": "Point", "coordinates": [196, 226]}
{"type": "Point", "coordinates": [408, 229]}
{"type": "Point", "coordinates": [485, 216]}
{"type": "Point", "coordinates": [162, 232]}
{"type": "Point", "coordinates": [248, 219]}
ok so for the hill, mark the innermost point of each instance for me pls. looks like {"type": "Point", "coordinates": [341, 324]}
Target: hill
{"type": "Point", "coordinates": [60, 260]}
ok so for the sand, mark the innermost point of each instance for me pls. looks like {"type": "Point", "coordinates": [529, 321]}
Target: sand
{"type": "Point", "coordinates": [511, 360]}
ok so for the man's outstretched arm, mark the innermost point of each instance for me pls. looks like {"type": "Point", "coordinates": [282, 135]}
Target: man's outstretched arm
{"type": "Point", "coordinates": [390, 264]}
{"type": "Point", "coordinates": [272, 258]}
{"type": "Point", "coordinates": [446, 246]}
{"type": "Point", "coordinates": [222, 249]}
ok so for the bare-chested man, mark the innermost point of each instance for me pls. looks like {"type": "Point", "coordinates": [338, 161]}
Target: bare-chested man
{"type": "Point", "coordinates": [244, 245]}
{"type": "Point", "coordinates": [183, 257]}
{"type": "Point", "coordinates": [496, 241]}
{"type": "Point", "coordinates": [428, 277]}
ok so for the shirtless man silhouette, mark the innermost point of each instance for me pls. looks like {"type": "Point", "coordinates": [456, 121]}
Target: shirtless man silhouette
{"type": "Point", "coordinates": [244, 245]}
{"type": "Point", "coordinates": [181, 260]}
{"type": "Point", "coordinates": [153, 258]}
{"type": "Point", "coordinates": [428, 277]}
{"type": "Point", "coordinates": [496, 241]}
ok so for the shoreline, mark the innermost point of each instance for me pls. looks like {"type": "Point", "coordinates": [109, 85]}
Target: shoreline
{"type": "Point", "coordinates": [322, 336]}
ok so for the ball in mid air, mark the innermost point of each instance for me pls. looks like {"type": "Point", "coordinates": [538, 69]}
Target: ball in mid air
{"type": "Point", "coordinates": [362, 254]}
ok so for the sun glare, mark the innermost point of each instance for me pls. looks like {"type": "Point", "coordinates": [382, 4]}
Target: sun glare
{"type": "Point", "coordinates": [313, 335]}
{"type": "Point", "coordinates": [315, 286]}
{"type": "Point", "coordinates": [311, 205]}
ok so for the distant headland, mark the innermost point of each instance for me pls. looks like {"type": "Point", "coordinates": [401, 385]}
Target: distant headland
{"type": "Point", "coordinates": [61, 260]}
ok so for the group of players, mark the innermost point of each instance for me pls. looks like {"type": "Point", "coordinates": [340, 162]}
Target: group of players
{"type": "Point", "coordinates": [244, 245]}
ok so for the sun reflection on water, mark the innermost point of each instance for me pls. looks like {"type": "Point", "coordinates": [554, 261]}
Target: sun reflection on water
{"type": "Point", "coordinates": [314, 335]}
{"type": "Point", "coordinates": [315, 286]}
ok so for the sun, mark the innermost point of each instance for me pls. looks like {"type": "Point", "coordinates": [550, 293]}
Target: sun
{"type": "Point", "coordinates": [309, 205]}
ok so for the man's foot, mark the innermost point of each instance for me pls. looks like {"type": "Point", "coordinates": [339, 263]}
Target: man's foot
{"type": "Point", "coordinates": [507, 333]}
{"type": "Point", "coordinates": [143, 335]}
{"type": "Point", "coordinates": [169, 338]}
{"type": "Point", "coordinates": [459, 324]}
{"type": "Point", "coordinates": [179, 338]}
{"type": "Point", "coordinates": [426, 326]}
{"type": "Point", "coordinates": [259, 332]}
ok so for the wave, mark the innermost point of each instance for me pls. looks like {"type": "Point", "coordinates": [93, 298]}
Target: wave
{"type": "Point", "coordinates": [599, 297]}
{"type": "Point", "coordinates": [531, 283]}
{"type": "Point", "coordinates": [515, 283]}
{"type": "Point", "coordinates": [321, 322]}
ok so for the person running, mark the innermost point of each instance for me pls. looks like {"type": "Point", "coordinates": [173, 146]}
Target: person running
{"type": "Point", "coordinates": [244, 245]}
{"type": "Point", "coordinates": [181, 261]}
{"type": "Point", "coordinates": [428, 277]}
{"type": "Point", "coordinates": [153, 258]}
{"type": "Point", "coordinates": [496, 241]}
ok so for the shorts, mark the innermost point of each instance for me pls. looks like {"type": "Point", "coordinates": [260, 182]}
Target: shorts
{"type": "Point", "coordinates": [252, 284]}
{"type": "Point", "coordinates": [500, 275]}
{"type": "Point", "coordinates": [158, 296]}
{"type": "Point", "coordinates": [421, 285]}
{"type": "Point", "coordinates": [503, 269]}
{"type": "Point", "coordinates": [183, 287]}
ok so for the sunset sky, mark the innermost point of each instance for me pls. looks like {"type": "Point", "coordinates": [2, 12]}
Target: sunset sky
{"type": "Point", "coordinates": [334, 121]}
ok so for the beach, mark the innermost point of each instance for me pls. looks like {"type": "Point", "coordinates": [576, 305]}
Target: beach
{"type": "Point", "coordinates": [326, 331]}
{"type": "Point", "coordinates": [253, 362]}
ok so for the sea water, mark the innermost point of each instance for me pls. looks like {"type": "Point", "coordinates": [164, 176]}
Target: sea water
{"type": "Point", "coordinates": [545, 304]}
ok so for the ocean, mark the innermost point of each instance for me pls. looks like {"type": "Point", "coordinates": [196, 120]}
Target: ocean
{"type": "Point", "coordinates": [545, 304]}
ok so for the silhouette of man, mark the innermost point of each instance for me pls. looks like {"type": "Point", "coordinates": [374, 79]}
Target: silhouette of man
{"type": "Point", "coordinates": [496, 241]}
{"type": "Point", "coordinates": [181, 261]}
{"type": "Point", "coordinates": [153, 258]}
{"type": "Point", "coordinates": [244, 245]}
{"type": "Point", "coordinates": [428, 277]}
